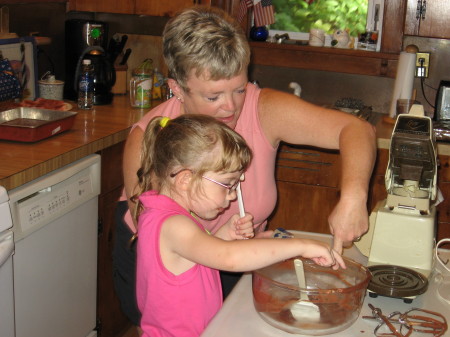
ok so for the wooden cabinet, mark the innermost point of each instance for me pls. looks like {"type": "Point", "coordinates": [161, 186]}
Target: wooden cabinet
{"type": "Point", "coordinates": [111, 321]}
{"type": "Point", "coordinates": [307, 183]}
{"type": "Point", "coordinates": [428, 18]}
{"type": "Point", "coordinates": [164, 8]}
{"type": "Point", "coordinates": [107, 6]}
{"type": "Point", "coordinates": [140, 7]}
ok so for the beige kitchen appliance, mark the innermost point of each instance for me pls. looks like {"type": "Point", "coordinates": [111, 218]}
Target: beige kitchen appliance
{"type": "Point", "coordinates": [401, 238]}
{"type": "Point", "coordinates": [443, 101]}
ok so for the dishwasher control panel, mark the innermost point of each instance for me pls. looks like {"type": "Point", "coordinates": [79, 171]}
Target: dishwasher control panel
{"type": "Point", "coordinates": [39, 202]}
{"type": "Point", "coordinates": [49, 204]}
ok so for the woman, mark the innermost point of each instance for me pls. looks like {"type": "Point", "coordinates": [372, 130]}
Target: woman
{"type": "Point", "coordinates": [207, 55]}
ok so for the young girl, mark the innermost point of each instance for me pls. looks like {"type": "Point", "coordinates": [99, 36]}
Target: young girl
{"type": "Point", "coordinates": [190, 167]}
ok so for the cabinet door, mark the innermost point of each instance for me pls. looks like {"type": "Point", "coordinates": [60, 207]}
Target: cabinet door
{"type": "Point", "coordinates": [307, 184]}
{"type": "Point", "coordinates": [107, 6]}
{"type": "Point", "coordinates": [112, 321]}
{"type": "Point", "coordinates": [433, 22]}
{"type": "Point", "coordinates": [165, 8]}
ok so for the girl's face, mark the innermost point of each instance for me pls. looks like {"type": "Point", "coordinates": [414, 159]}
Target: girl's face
{"type": "Point", "coordinates": [217, 190]}
{"type": "Point", "coordinates": [222, 99]}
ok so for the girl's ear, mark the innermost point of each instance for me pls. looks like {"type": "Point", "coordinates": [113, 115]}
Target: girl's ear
{"type": "Point", "coordinates": [183, 179]}
{"type": "Point", "coordinates": [176, 89]}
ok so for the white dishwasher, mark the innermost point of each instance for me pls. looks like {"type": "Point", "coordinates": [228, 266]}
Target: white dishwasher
{"type": "Point", "coordinates": [55, 225]}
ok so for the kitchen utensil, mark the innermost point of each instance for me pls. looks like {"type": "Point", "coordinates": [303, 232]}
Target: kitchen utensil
{"type": "Point", "coordinates": [303, 309]}
{"type": "Point", "coordinates": [32, 124]}
{"type": "Point", "coordinates": [240, 201]}
{"type": "Point", "coordinates": [339, 294]}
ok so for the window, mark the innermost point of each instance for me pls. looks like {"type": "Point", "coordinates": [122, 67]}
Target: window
{"type": "Point", "coordinates": [297, 17]}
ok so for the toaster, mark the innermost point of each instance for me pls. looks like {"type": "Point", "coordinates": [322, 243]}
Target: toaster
{"type": "Point", "coordinates": [442, 111]}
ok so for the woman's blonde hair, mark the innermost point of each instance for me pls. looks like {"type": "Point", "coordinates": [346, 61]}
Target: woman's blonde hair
{"type": "Point", "coordinates": [199, 143]}
{"type": "Point", "coordinates": [207, 40]}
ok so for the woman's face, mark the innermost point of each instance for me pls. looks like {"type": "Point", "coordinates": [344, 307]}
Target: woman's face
{"type": "Point", "coordinates": [222, 99]}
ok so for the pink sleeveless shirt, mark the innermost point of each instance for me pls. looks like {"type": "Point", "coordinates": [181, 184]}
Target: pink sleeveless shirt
{"type": "Point", "coordinates": [171, 305]}
{"type": "Point", "coordinates": [258, 189]}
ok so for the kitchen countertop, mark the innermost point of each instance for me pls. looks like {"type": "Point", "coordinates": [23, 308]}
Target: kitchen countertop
{"type": "Point", "coordinates": [93, 131]}
{"type": "Point", "coordinates": [238, 316]}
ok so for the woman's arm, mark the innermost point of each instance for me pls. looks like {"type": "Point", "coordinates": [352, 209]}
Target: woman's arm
{"type": "Point", "coordinates": [285, 117]}
{"type": "Point", "coordinates": [132, 163]}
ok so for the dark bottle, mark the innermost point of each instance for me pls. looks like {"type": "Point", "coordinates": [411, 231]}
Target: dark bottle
{"type": "Point", "coordinates": [86, 86]}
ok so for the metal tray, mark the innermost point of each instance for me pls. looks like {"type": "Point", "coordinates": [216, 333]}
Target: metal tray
{"type": "Point", "coordinates": [32, 124]}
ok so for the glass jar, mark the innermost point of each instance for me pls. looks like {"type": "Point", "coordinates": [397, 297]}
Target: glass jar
{"type": "Point", "coordinates": [141, 84]}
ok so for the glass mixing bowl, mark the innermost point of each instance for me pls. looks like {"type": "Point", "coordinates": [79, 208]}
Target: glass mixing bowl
{"type": "Point", "coordinates": [339, 295]}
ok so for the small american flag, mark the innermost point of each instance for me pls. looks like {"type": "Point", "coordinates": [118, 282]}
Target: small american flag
{"type": "Point", "coordinates": [264, 13]}
{"type": "Point", "coordinates": [244, 5]}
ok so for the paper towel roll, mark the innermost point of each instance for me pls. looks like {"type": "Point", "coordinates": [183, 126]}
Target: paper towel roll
{"type": "Point", "coordinates": [404, 80]}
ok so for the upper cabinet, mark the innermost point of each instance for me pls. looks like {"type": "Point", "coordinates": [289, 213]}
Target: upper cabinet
{"type": "Point", "coordinates": [141, 7]}
{"type": "Point", "coordinates": [107, 6]}
{"type": "Point", "coordinates": [428, 18]}
{"type": "Point", "coordinates": [164, 8]}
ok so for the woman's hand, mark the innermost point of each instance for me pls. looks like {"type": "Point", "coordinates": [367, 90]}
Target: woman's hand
{"type": "Point", "coordinates": [348, 221]}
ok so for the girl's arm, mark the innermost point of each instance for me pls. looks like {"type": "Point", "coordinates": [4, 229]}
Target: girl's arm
{"type": "Point", "coordinates": [183, 243]}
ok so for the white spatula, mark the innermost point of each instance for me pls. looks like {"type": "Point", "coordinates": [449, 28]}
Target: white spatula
{"type": "Point", "coordinates": [303, 309]}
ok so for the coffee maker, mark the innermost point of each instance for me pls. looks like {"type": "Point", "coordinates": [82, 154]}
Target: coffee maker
{"type": "Point", "coordinates": [87, 39]}
{"type": "Point", "coordinates": [401, 238]}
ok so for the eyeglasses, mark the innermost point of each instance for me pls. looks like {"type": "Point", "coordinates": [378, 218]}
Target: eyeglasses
{"type": "Point", "coordinates": [229, 187]}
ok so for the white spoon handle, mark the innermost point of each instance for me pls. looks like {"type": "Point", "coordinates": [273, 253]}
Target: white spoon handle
{"type": "Point", "coordinates": [240, 201]}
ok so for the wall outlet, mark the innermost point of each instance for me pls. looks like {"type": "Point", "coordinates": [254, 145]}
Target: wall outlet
{"type": "Point", "coordinates": [422, 64]}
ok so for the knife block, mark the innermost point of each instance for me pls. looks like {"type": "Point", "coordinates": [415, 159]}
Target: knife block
{"type": "Point", "coordinates": [121, 85]}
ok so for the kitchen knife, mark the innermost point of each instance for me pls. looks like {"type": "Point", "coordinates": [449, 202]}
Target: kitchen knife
{"type": "Point", "coordinates": [125, 57]}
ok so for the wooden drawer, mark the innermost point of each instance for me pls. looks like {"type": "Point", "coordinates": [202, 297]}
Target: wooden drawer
{"type": "Point", "coordinates": [308, 166]}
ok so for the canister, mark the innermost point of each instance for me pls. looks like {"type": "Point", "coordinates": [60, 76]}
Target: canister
{"type": "Point", "coordinates": [50, 87]}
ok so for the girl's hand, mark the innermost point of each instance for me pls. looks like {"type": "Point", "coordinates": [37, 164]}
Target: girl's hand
{"type": "Point", "coordinates": [323, 255]}
{"type": "Point", "coordinates": [244, 227]}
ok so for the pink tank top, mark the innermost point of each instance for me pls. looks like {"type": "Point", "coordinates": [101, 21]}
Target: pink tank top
{"type": "Point", "coordinates": [171, 305]}
{"type": "Point", "coordinates": [258, 189]}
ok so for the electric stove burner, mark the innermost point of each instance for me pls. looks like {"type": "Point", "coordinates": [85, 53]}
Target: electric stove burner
{"type": "Point", "coordinates": [396, 281]}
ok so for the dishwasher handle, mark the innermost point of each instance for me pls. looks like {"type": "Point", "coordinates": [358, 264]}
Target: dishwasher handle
{"type": "Point", "coordinates": [6, 246]}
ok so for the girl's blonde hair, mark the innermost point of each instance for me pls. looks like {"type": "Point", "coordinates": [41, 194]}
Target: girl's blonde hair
{"type": "Point", "coordinates": [199, 143]}
{"type": "Point", "coordinates": [207, 40]}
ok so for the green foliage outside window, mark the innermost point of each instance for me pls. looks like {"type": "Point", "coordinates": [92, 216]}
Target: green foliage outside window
{"type": "Point", "coordinates": [329, 15]}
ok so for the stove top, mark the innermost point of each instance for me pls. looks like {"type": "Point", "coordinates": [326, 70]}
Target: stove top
{"type": "Point", "coordinates": [396, 281]}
